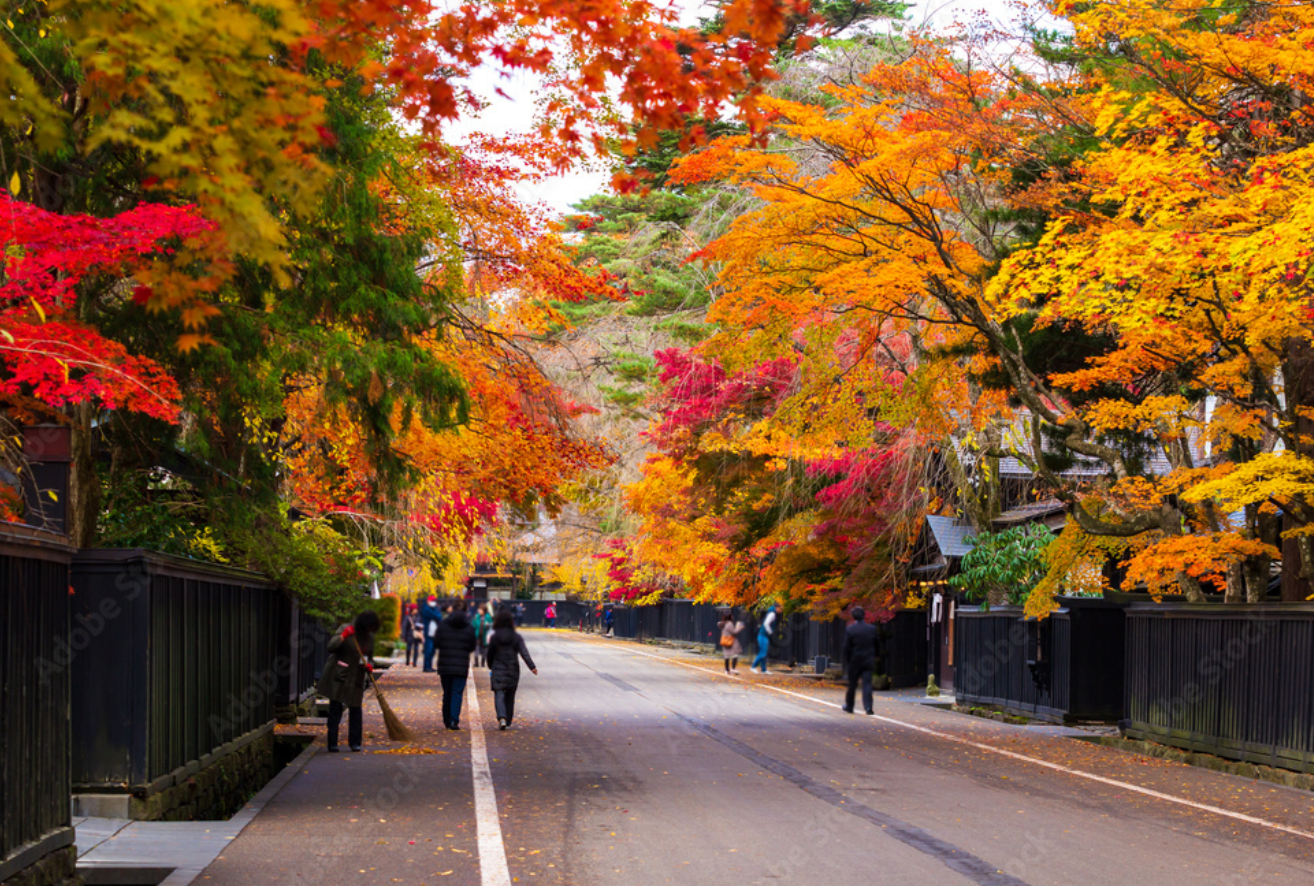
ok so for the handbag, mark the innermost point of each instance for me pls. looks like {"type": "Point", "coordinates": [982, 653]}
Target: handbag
{"type": "Point", "coordinates": [727, 641]}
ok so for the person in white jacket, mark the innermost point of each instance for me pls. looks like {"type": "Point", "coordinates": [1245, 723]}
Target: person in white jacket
{"type": "Point", "coordinates": [764, 632]}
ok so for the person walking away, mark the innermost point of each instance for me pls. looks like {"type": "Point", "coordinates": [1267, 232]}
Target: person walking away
{"type": "Point", "coordinates": [455, 641]}
{"type": "Point", "coordinates": [609, 621]}
{"type": "Point", "coordinates": [505, 649]}
{"type": "Point", "coordinates": [483, 622]}
{"type": "Point", "coordinates": [731, 648]}
{"type": "Point", "coordinates": [429, 619]}
{"type": "Point", "coordinates": [764, 632]}
{"type": "Point", "coordinates": [550, 615]}
{"type": "Point", "coordinates": [859, 653]}
{"type": "Point", "coordinates": [412, 634]}
{"type": "Point", "coordinates": [343, 680]}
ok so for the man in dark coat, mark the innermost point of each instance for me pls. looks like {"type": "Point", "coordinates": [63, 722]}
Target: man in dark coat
{"type": "Point", "coordinates": [859, 654]}
{"type": "Point", "coordinates": [505, 649]}
{"type": "Point", "coordinates": [343, 680]}
{"type": "Point", "coordinates": [430, 616]}
{"type": "Point", "coordinates": [455, 643]}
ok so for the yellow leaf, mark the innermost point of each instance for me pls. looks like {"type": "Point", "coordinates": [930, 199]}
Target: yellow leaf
{"type": "Point", "coordinates": [15, 184]}
{"type": "Point", "coordinates": [7, 335]}
{"type": "Point", "coordinates": [51, 493]}
{"type": "Point", "coordinates": [40, 311]}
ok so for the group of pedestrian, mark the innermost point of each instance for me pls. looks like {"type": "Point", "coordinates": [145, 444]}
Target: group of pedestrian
{"type": "Point", "coordinates": [731, 627]}
{"type": "Point", "coordinates": [445, 640]}
{"type": "Point", "coordinates": [452, 636]}
{"type": "Point", "coordinates": [859, 655]}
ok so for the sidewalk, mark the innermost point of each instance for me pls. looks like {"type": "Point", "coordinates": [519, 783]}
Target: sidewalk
{"type": "Point", "coordinates": [392, 813]}
{"type": "Point", "coordinates": [172, 853]}
{"type": "Point", "coordinates": [376, 805]}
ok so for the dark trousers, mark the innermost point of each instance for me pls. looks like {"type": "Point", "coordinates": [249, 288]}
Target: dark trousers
{"type": "Point", "coordinates": [412, 651]}
{"type": "Point", "coordinates": [859, 672]}
{"type": "Point", "coordinates": [428, 653]}
{"type": "Point", "coordinates": [481, 653]}
{"type": "Point", "coordinates": [453, 692]}
{"type": "Point", "coordinates": [504, 701]}
{"type": "Point", "coordinates": [335, 720]}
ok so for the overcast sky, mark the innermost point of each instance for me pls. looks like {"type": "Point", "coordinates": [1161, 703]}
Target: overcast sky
{"type": "Point", "coordinates": [516, 113]}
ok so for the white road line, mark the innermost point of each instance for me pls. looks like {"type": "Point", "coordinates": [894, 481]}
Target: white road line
{"type": "Point", "coordinates": [1113, 782]}
{"type": "Point", "coordinates": [493, 870]}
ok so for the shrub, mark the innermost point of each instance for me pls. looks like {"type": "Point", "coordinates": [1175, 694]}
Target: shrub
{"type": "Point", "coordinates": [388, 608]}
{"type": "Point", "coordinates": [1003, 567]}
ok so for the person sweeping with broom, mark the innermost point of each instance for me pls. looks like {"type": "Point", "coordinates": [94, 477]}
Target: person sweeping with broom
{"type": "Point", "coordinates": [343, 680]}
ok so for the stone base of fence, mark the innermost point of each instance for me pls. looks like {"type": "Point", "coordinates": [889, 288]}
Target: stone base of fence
{"type": "Point", "coordinates": [210, 789]}
{"type": "Point", "coordinates": [53, 868]}
{"type": "Point", "coordinates": [1302, 781]}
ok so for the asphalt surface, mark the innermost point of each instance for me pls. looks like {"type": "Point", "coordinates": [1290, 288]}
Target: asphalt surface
{"type": "Point", "coordinates": [636, 765]}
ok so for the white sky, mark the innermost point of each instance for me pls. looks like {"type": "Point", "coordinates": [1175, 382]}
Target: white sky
{"type": "Point", "coordinates": [516, 112]}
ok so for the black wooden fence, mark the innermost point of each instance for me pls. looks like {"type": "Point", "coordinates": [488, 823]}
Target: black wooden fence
{"type": "Point", "coordinates": [804, 638]}
{"type": "Point", "coordinates": [183, 665]}
{"type": "Point", "coordinates": [1232, 680]}
{"type": "Point", "coordinates": [1066, 667]}
{"type": "Point", "coordinates": [302, 645]}
{"type": "Point", "coordinates": [34, 696]}
{"type": "Point", "coordinates": [569, 612]}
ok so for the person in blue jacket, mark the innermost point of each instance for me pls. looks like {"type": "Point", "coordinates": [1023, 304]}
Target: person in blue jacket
{"type": "Point", "coordinates": [430, 616]}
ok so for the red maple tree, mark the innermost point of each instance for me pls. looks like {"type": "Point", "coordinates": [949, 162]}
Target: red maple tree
{"type": "Point", "coordinates": [49, 357]}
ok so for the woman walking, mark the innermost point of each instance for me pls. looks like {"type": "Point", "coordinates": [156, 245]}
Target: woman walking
{"type": "Point", "coordinates": [412, 634]}
{"type": "Point", "coordinates": [483, 622]}
{"type": "Point", "coordinates": [505, 649]}
{"type": "Point", "coordinates": [343, 681]}
{"type": "Point", "coordinates": [731, 648]}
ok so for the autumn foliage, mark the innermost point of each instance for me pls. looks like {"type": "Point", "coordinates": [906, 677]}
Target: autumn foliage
{"type": "Point", "coordinates": [50, 357]}
{"type": "Point", "coordinates": [908, 279]}
{"type": "Point", "coordinates": [1093, 267]}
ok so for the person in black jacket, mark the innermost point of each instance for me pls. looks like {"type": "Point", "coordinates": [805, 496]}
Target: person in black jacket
{"type": "Point", "coordinates": [859, 654]}
{"type": "Point", "coordinates": [455, 642]}
{"type": "Point", "coordinates": [343, 680]}
{"type": "Point", "coordinates": [505, 649]}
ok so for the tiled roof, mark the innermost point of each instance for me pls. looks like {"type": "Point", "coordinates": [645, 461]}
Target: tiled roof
{"type": "Point", "coordinates": [950, 535]}
{"type": "Point", "coordinates": [1036, 512]}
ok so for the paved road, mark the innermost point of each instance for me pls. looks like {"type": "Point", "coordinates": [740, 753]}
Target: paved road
{"type": "Point", "coordinates": [635, 765]}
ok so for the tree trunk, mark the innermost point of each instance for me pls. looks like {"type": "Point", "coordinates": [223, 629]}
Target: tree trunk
{"type": "Point", "coordinates": [1298, 554]}
{"type": "Point", "coordinates": [1236, 582]}
{"type": "Point", "coordinates": [83, 482]}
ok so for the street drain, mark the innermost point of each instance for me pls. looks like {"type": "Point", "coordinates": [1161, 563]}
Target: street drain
{"type": "Point", "coordinates": [105, 875]}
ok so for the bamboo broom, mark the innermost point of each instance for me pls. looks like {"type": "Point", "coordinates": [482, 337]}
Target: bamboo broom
{"type": "Point", "coordinates": [397, 730]}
